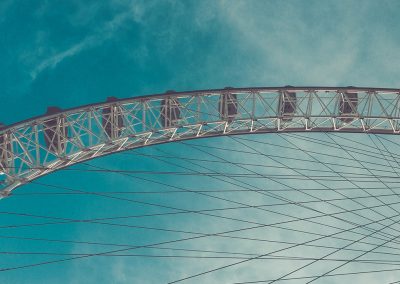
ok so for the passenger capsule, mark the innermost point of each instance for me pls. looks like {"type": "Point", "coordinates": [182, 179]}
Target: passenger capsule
{"type": "Point", "coordinates": [348, 102]}
{"type": "Point", "coordinates": [112, 120]}
{"type": "Point", "coordinates": [287, 105]}
{"type": "Point", "coordinates": [170, 112]}
{"type": "Point", "coordinates": [55, 131]}
{"type": "Point", "coordinates": [228, 107]}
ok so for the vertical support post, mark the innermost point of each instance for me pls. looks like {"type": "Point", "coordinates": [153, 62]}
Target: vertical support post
{"type": "Point", "coordinates": [309, 108]}
{"type": "Point", "coordinates": [144, 127]}
{"type": "Point", "coordinates": [89, 118]}
{"type": "Point", "coordinates": [37, 144]}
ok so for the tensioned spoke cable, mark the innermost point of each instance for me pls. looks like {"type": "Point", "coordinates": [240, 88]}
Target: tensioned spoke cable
{"type": "Point", "coordinates": [347, 262]}
{"type": "Point", "coordinates": [380, 200]}
{"type": "Point", "coordinates": [351, 260]}
{"type": "Point", "coordinates": [370, 154]}
{"type": "Point", "coordinates": [289, 229]}
{"type": "Point", "coordinates": [183, 191]}
{"type": "Point", "coordinates": [386, 226]}
{"type": "Point", "coordinates": [390, 153]}
{"type": "Point", "coordinates": [328, 144]}
{"type": "Point", "coordinates": [266, 254]}
{"type": "Point", "coordinates": [159, 243]}
{"type": "Point", "coordinates": [389, 165]}
{"type": "Point", "coordinates": [353, 200]}
{"type": "Point", "coordinates": [366, 168]}
{"type": "Point", "coordinates": [295, 217]}
{"type": "Point", "coordinates": [191, 250]}
{"type": "Point", "coordinates": [298, 269]}
{"type": "Point", "coordinates": [338, 146]}
{"type": "Point", "coordinates": [394, 155]}
{"type": "Point", "coordinates": [355, 258]}
{"type": "Point", "coordinates": [329, 275]}
{"type": "Point", "coordinates": [185, 173]}
{"type": "Point", "coordinates": [302, 204]}
{"type": "Point", "coordinates": [110, 251]}
{"type": "Point", "coordinates": [142, 246]}
{"type": "Point", "coordinates": [97, 221]}
{"type": "Point", "coordinates": [384, 156]}
{"type": "Point", "coordinates": [388, 140]}
{"type": "Point", "coordinates": [354, 150]}
{"type": "Point", "coordinates": [218, 209]}
{"type": "Point", "coordinates": [262, 240]}
{"type": "Point", "coordinates": [316, 141]}
{"type": "Point", "coordinates": [223, 162]}
{"type": "Point", "coordinates": [387, 160]}
{"type": "Point", "coordinates": [214, 155]}
{"type": "Point", "coordinates": [243, 163]}
{"type": "Point", "coordinates": [374, 196]}
{"type": "Point", "coordinates": [291, 158]}
{"type": "Point", "coordinates": [391, 141]}
{"type": "Point", "coordinates": [175, 208]}
{"type": "Point", "coordinates": [319, 181]}
{"type": "Point", "coordinates": [276, 257]}
{"type": "Point", "coordinates": [268, 155]}
{"type": "Point", "coordinates": [338, 250]}
{"type": "Point", "coordinates": [258, 207]}
{"type": "Point", "coordinates": [275, 225]}
{"type": "Point", "coordinates": [361, 178]}
{"type": "Point", "coordinates": [353, 176]}
{"type": "Point", "coordinates": [208, 169]}
{"type": "Point", "coordinates": [299, 189]}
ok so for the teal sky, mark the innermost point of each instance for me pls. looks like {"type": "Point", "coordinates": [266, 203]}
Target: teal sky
{"type": "Point", "coordinates": [75, 52]}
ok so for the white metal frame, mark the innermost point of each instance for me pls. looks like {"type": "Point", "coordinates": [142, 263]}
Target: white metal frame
{"type": "Point", "coordinates": [24, 155]}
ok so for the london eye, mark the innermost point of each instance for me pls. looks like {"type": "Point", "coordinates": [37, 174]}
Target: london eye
{"type": "Point", "coordinates": [313, 197]}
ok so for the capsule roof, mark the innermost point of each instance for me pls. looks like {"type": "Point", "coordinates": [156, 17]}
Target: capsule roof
{"type": "Point", "coordinates": [53, 110]}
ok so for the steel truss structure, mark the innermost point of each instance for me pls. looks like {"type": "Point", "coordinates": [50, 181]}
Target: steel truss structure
{"type": "Point", "coordinates": [38, 146]}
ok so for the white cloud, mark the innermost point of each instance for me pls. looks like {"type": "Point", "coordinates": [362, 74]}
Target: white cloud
{"type": "Point", "coordinates": [52, 61]}
{"type": "Point", "coordinates": [106, 32]}
{"type": "Point", "coordinates": [286, 40]}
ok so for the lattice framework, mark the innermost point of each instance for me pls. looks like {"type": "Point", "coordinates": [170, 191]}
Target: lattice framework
{"type": "Point", "coordinates": [40, 145]}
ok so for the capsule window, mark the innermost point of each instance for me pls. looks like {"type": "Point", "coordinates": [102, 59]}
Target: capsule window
{"type": "Point", "coordinates": [287, 105]}
{"type": "Point", "coordinates": [112, 120]}
{"type": "Point", "coordinates": [228, 107]}
{"type": "Point", "coordinates": [55, 131]}
{"type": "Point", "coordinates": [348, 103]}
{"type": "Point", "coordinates": [170, 112]}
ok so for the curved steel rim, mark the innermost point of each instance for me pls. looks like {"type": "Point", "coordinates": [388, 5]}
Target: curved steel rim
{"type": "Point", "coordinates": [258, 110]}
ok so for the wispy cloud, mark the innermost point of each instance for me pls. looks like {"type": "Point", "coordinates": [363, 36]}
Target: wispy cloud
{"type": "Point", "coordinates": [288, 40]}
{"type": "Point", "coordinates": [106, 32]}
{"type": "Point", "coordinates": [52, 61]}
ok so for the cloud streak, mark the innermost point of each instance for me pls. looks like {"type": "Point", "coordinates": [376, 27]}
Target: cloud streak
{"type": "Point", "coordinates": [54, 60]}
{"type": "Point", "coordinates": [106, 32]}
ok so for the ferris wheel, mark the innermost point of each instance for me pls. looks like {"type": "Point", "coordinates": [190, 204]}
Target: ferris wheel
{"type": "Point", "coordinates": [61, 138]}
